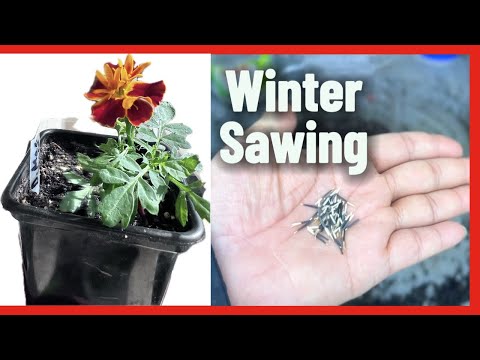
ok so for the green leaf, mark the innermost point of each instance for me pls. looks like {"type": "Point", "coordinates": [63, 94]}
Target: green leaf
{"type": "Point", "coordinates": [176, 140]}
{"type": "Point", "coordinates": [110, 147]}
{"type": "Point", "coordinates": [92, 207]}
{"type": "Point", "coordinates": [161, 191]}
{"type": "Point", "coordinates": [74, 178]}
{"type": "Point", "coordinates": [118, 206]}
{"type": "Point", "coordinates": [147, 196]}
{"type": "Point", "coordinates": [173, 168]}
{"type": "Point", "coordinates": [134, 156]}
{"type": "Point", "coordinates": [111, 175]}
{"type": "Point", "coordinates": [106, 189]}
{"type": "Point", "coordinates": [121, 126]}
{"type": "Point", "coordinates": [135, 207]}
{"type": "Point", "coordinates": [87, 164]}
{"type": "Point", "coordinates": [129, 164]}
{"type": "Point", "coordinates": [197, 184]}
{"type": "Point", "coordinates": [156, 179]}
{"type": "Point", "coordinates": [181, 209]}
{"type": "Point", "coordinates": [179, 128]}
{"type": "Point", "coordinates": [163, 113]}
{"type": "Point", "coordinates": [189, 163]}
{"type": "Point", "coordinates": [95, 180]}
{"type": "Point", "coordinates": [162, 172]}
{"type": "Point", "coordinates": [102, 160]}
{"type": "Point", "coordinates": [143, 144]}
{"type": "Point", "coordinates": [179, 184]}
{"type": "Point", "coordinates": [146, 134]}
{"type": "Point", "coordinates": [201, 205]}
{"type": "Point", "coordinates": [72, 201]}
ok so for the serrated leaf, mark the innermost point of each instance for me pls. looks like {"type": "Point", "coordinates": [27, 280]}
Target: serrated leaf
{"type": "Point", "coordinates": [156, 179]}
{"type": "Point", "coordinates": [118, 206]}
{"type": "Point", "coordinates": [86, 163]}
{"type": "Point", "coordinates": [163, 113]}
{"type": "Point", "coordinates": [134, 156]}
{"type": "Point", "coordinates": [146, 134]}
{"type": "Point", "coordinates": [181, 208]}
{"type": "Point", "coordinates": [173, 168]}
{"type": "Point", "coordinates": [143, 144]}
{"type": "Point", "coordinates": [201, 205]}
{"type": "Point", "coordinates": [72, 201]}
{"type": "Point", "coordinates": [176, 140]}
{"type": "Point", "coordinates": [179, 128]}
{"type": "Point", "coordinates": [147, 196]}
{"type": "Point", "coordinates": [74, 178]}
{"type": "Point", "coordinates": [113, 176]}
{"type": "Point", "coordinates": [189, 163]}
{"type": "Point", "coordinates": [102, 160]}
{"type": "Point", "coordinates": [129, 164]}
{"type": "Point", "coordinates": [110, 147]}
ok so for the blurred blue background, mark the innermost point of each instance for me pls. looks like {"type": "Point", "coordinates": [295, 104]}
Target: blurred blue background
{"type": "Point", "coordinates": [401, 92]}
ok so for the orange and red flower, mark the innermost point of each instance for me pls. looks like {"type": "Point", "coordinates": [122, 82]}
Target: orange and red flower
{"type": "Point", "coordinates": [118, 93]}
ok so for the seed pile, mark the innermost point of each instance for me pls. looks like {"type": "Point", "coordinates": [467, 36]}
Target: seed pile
{"type": "Point", "coordinates": [331, 217]}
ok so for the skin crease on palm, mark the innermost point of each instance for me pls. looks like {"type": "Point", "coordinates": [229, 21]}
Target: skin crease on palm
{"type": "Point", "coordinates": [414, 184]}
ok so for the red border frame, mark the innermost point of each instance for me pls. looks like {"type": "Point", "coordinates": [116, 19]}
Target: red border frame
{"type": "Point", "coordinates": [472, 50]}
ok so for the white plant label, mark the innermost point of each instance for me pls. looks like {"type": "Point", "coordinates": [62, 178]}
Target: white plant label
{"type": "Point", "coordinates": [34, 169]}
{"type": "Point", "coordinates": [35, 164]}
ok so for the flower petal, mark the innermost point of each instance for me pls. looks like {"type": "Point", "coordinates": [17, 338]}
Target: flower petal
{"type": "Point", "coordinates": [129, 63]}
{"type": "Point", "coordinates": [140, 111]}
{"type": "Point", "coordinates": [137, 71]}
{"type": "Point", "coordinates": [128, 102]}
{"type": "Point", "coordinates": [108, 74]}
{"type": "Point", "coordinates": [107, 112]}
{"type": "Point", "coordinates": [101, 78]}
{"type": "Point", "coordinates": [97, 85]}
{"type": "Point", "coordinates": [113, 66]}
{"type": "Point", "coordinates": [96, 96]}
{"type": "Point", "coordinates": [154, 91]}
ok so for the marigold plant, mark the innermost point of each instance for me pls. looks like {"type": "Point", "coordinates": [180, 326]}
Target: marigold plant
{"type": "Point", "coordinates": [133, 172]}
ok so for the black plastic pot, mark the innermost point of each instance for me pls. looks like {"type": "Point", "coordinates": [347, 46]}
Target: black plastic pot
{"type": "Point", "coordinates": [71, 259]}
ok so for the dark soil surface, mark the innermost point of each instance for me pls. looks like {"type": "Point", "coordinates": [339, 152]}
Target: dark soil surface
{"type": "Point", "coordinates": [57, 155]}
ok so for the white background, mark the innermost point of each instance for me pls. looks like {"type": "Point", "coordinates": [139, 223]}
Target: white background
{"type": "Point", "coordinates": [36, 87]}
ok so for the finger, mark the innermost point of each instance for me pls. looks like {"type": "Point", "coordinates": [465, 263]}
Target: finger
{"type": "Point", "coordinates": [424, 176]}
{"type": "Point", "coordinates": [431, 208]}
{"type": "Point", "coordinates": [410, 246]}
{"type": "Point", "coordinates": [389, 150]}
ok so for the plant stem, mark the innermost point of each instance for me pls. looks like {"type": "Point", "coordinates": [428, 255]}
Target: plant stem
{"type": "Point", "coordinates": [143, 172]}
{"type": "Point", "coordinates": [179, 184]}
{"type": "Point", "coordinates": [130, 133]}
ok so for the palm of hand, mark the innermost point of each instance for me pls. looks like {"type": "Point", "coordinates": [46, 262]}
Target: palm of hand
{"type": "Point", "coordinates": [264, 261]}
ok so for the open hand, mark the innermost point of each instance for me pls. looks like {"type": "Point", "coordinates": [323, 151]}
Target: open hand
{"type": "Point", "coordinates": [414, 184]}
